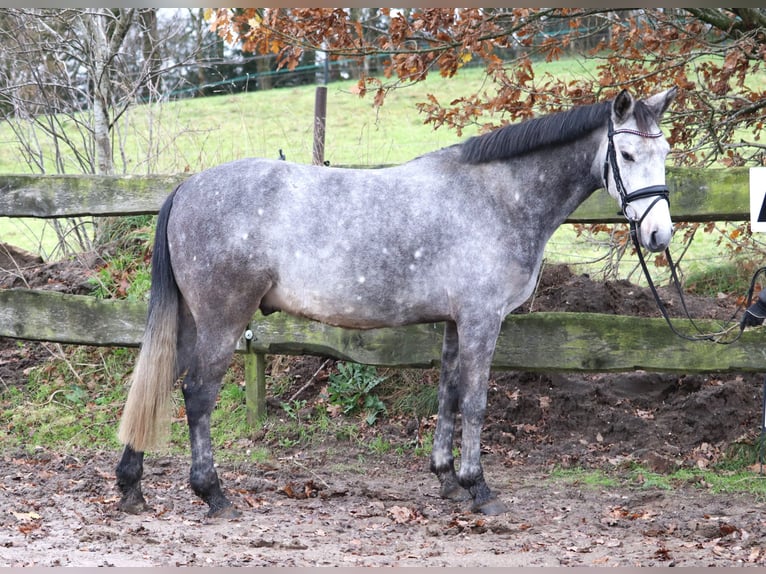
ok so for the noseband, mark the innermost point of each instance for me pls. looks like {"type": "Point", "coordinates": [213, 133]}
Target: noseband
{"type": "Point", "coordinates": [659, 192]}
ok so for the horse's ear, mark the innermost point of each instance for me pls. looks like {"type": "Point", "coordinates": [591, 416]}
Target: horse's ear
{"type": "Point", "coordinates": [658, 103]}
{"type": "Point", "coordinates": [622, 106]}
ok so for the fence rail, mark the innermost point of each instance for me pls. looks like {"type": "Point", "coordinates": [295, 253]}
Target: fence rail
{"type": "Point", "coordinates": [536, 342]}
{"type": "Point", "coordinates": [696, 195]}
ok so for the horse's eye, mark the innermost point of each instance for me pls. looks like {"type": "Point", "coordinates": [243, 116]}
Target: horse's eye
{"type": "Point", "coordinates": [627, 157]}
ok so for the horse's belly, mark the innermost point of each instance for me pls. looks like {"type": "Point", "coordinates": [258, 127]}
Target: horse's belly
{"type": "Point", "coordinates": [350, 310]}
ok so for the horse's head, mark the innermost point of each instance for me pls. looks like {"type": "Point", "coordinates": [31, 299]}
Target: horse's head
{"type": "Point", "coordinates": [634, 165]}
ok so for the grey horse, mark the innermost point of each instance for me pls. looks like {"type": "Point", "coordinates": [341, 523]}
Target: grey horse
{"type": "Point", "coordinates": [455, 236]}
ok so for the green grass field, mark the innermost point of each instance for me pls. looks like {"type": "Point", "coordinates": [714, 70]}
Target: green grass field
{"type": "Point", "coordinates": [193, 134]}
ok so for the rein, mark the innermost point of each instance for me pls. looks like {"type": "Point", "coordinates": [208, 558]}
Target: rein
{"type": "Point", "coordinates": [700, 336]}
{"type": "Point", "coordinates": [660, 192]}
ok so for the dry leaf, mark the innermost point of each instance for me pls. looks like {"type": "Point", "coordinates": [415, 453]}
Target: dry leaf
{"type": "Point", "coordinates": [25, 516]}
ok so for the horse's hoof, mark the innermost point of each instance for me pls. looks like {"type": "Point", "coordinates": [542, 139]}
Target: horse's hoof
{"type": "Point", "coordinates": [451, 488]}
{"type": "Point", "coordinates": [228, 512]}
{"type": "Point", "coordinates": [133, 505]}
{"type": "Point", "coordinates": [456, 493]}
{"type": "Point", "coordinates": [491, 507]}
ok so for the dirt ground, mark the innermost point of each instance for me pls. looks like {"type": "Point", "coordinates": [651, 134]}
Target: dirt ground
{"type": "Point", "coordinates": [341, 504]}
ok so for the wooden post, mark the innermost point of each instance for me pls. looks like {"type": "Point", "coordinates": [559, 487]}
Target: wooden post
{"type": "Point", "coordinates": [320, 115]}
{"type": "Point", "coordinates": [255, 382]}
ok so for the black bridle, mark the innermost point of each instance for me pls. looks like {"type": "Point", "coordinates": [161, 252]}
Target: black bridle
{"type": "Point", "coordinates": [659, 192]}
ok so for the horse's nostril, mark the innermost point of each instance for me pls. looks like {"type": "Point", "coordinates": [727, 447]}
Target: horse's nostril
{"type": "Point", "coordinates": [650, 241]}
{"type": "Point", "coordinates": [658, 241]}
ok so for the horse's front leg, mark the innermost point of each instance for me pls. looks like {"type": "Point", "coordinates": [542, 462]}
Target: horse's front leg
{"type": "Point", "coordinates": [477, 346]}
{"type": "Point", "coordinates": [442, 460]}
{"type": "Point", "coordinates": [129, 472]}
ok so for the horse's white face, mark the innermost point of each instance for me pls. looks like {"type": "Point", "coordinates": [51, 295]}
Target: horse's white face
{"type": "Point", "coordinates": [639, 154]}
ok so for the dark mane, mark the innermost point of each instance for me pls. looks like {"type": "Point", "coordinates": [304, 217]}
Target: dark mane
{"type": "Point", "coordinates": [563, 127]}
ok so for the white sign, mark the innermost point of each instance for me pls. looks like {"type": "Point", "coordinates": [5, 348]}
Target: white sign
{"type": "Point", "coordinates": [758, 198]}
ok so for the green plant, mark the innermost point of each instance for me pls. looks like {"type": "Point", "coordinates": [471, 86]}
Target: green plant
{"type": "Point", "coordinates": [579, 476]}
{"type": "Point", "coordinates": [126, 272]}
{"type": "Point", "coordinates": [417, 398]}
{"type": "Point", "coordinates": [347, 433]}
{"type": "Point", "coordinates": [71, 400]}
{"type": "Point", "coordinates": [725, 277]}
{"type": "Point", "coordinates": [379, 445]}
{"type": "Point", "coordinates": [714, 479]}
{"type": "Point", "coordinates": [293, 408]}
{"type": "Point", "coordinates": [350, 388]}
{"type": "Point", "coordinates": [259, 455]}
{"type": "Point", "coordinates": [287, 442]}
{"type": "Point", "coordinates": [425, 445]}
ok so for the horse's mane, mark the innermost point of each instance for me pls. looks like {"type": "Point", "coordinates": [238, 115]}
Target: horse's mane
{"type": "Point", "coordinates": [530, 135]}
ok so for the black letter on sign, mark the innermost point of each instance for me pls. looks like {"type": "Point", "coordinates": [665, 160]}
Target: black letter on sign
{"type": "Point", "coordinates": [762, 214]}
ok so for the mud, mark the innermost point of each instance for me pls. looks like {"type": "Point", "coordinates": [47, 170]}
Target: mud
{"type": "Point", "coordinates": [363, 510]}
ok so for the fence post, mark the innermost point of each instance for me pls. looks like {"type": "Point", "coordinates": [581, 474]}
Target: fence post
{"type": "Point", "coordinates": [255, 382]}
{"type": "Point", "coordinates": [320, 115]}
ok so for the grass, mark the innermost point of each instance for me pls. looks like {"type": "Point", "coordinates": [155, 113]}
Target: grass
{"type": "Point", "coordinates": [68, 401]}
{"type": "Point", "coordinates": [716, 480]}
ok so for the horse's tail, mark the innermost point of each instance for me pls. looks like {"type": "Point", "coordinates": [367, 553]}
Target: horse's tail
{"type": "Point", "coordinates": [145, 420]}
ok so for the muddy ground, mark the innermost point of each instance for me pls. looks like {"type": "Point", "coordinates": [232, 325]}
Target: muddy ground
{"type": "Point", "coordinates": [340, 503]}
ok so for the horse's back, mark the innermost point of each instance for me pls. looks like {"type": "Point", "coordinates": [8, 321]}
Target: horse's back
{"type": "Point", "coordinates": [350, 247]}
{"type": "Point", "coordinates": [354, 247]}
{"type": "Point", "coordinates": [280, 202]}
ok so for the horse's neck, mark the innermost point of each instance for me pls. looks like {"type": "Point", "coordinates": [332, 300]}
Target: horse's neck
{"type": "Point", "coordinates": [559, 180]}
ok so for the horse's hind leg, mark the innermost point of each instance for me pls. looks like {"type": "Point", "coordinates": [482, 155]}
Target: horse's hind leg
{"type": "Point", "coordinates": [442, 461]}
{"type": "Point", "coordinates": [200, 390]}
{"type": "Point", "coordinates": [129, 472]}
{"type": "Point", "coordinates": [216, 341]}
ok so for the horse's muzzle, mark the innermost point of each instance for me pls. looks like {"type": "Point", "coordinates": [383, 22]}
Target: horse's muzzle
{"type": "Point", "coordinates": [654, 235]}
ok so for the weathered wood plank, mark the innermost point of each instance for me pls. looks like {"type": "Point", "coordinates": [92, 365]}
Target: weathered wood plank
{"type": "Point", "coordinates": [62, 318]}
{"type": "Point", "coordinates": [563, 342]}
{"type": "Point", "coordinates": [80, 195]}
{"type": "Point", "coordinates": [696, 195]}
{"type": "Point", "coordinates": [551, 342]}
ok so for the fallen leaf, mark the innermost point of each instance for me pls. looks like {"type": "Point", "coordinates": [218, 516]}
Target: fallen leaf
{"type": "Point", "coordinates": [308, 490]}
{"type": "Point", "coordinates": [662, 554]}
{"type": "Point", "coordinates": [28, 527]}
{"type": "Point", "coordinates": [253, 502]}
{"type": "Point", "coordinates": [403, 515]}
{"type": "Point", "coordinates": [400, 514]}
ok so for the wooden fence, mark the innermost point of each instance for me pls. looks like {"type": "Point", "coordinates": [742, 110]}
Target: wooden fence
{"type": "Point", "coordinates": [563, 342]}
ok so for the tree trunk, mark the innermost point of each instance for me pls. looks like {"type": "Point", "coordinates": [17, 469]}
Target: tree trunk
{"type": "Point", "coordinates": [107, 32]}
{"type": "Point", "coordinates": [150, 47]}
{"type": "Point", "coordinates": [96, 29]}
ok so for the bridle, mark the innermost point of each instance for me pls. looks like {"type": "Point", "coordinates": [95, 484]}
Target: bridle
{"type": "Point", "coordinates": [658, 192]}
